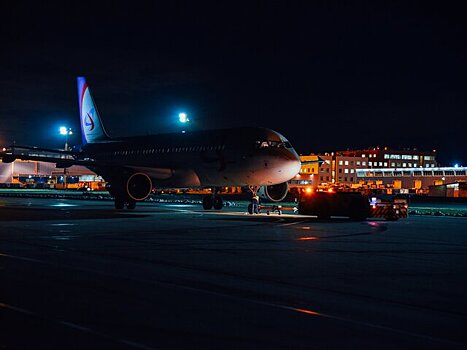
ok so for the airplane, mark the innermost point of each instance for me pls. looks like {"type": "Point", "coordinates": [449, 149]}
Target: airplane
{"type": "Point", "coordinates": [258, 158]}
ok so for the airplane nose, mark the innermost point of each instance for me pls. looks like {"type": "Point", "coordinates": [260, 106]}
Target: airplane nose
{"type": "Point", "coordinates": [293, 165]}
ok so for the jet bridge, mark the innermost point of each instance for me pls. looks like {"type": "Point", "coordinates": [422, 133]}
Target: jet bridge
{"type": "Point", "coordinates": [63, 158]}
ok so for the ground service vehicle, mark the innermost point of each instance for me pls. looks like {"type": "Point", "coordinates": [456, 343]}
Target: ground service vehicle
{"type": "Point", "coordinates": [327, 204]}
{"type": "Point", "coordinates": [355, 205]}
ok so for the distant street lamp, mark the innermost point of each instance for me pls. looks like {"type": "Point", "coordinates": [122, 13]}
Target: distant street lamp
{"type": "Point", "coordinates": [183, 118]}
{"type": "Point", "coordinates": [66, 131]}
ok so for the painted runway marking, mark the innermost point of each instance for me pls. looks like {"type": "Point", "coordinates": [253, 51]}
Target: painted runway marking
{"type": "Point", "coordinates": [292, 223]}
{"type": "Point", "coordinates": [372, 325]}
{"type": "Point", "coordinates": [76, 326]}
{"type": "Point", "coordinates": [21, 258]}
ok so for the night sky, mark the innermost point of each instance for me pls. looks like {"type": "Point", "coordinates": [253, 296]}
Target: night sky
{"type": "Point", "coordinates": [328, 76]}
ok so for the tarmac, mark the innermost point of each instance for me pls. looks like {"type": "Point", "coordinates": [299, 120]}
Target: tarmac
{"type": "Point", "coordinates": [78, 274]}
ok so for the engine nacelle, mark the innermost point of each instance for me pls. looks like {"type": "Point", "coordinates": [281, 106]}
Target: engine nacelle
{"type": "Point", "coordinates": [138, 186]}
{"type": "Point", "coordinates": [275, 193]}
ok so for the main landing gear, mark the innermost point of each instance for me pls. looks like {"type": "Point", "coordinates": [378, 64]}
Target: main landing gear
{"type": "Point", "coordinates": [213, 201]}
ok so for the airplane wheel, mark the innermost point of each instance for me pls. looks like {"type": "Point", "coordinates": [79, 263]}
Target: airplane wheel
{"type": "Point", "coordinates": [131, 204]}
{"type": "Point", "coordinates": [119, 203]}
{"type": "Point", "coordinates": [218, 203]}
{"type": "Point", "coordinates": [207, 202]}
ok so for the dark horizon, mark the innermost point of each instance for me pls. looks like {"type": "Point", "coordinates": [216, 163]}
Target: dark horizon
{"type": "Point", "coordinates": [327, 77]}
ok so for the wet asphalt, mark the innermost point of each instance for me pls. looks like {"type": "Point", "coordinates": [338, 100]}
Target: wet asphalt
{"type": "Point", "coordinates": [78, 274]}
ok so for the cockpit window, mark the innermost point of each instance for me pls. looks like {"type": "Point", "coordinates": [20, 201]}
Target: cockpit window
{"type": "Point", "coordinates": [273, 144]}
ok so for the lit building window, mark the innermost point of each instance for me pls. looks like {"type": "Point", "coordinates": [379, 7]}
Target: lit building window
{"type": "Point", "coordinates": [358, 162]}
{"type": "Point", "coordinates": [385, 163]}
{"type": "Point", "coordinates": [346, 171]}
{"type": "Point", "coordinates": [340, 162]}
{"type": "Point", "coordinates": [352, 171]}
{"type": "Point", "coordinates": [404, 165]}
{"type": "Point", "coordinates": [363, 156]}
{"type": "Point", "coordinates": [370, 163]}
{"type": "Point", "coordinates": [380, 163]}
{"type": "Point", "coordinates": [346, 162]}
{"type": "Point", "coordinates": [363, 163]}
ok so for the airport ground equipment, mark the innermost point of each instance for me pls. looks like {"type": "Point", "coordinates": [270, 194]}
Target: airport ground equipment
{"type": "Point", "coordinates": [389, 210]}
{"type": "Point", "coordinates": [271, 209]}
{"type": "Point", "coordinates": [354, 205]}
{"type": "Point", "coordinates": [327, 204]}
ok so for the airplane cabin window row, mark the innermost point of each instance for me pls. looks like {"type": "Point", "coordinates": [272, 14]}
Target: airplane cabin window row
{"type": "Point", "coordinates": [148, 151]}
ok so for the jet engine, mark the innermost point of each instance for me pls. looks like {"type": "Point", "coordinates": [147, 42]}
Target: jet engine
{"type": "Point", "coordinates": [274, 193]}
{"type": "Point", "coordinates": [138, 186]}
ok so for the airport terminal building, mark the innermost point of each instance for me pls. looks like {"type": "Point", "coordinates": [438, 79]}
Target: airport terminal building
{"type": "Point", "coordinates": [400, 171]}
{"type": "Point", "coordinates": [37, 174]}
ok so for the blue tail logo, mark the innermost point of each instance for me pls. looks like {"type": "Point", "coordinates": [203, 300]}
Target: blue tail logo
{"type": "Point", "coordinates": [88, 121]}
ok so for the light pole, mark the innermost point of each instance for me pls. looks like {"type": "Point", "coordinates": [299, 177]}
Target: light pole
{"type": "Point", "coordinates": [66, 131]}
{"type": "Point", "coordinates": [183, 119]}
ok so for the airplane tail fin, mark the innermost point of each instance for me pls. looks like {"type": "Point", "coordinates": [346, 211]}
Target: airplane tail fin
{"type": "Point", "coordinates": [92, 129]}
